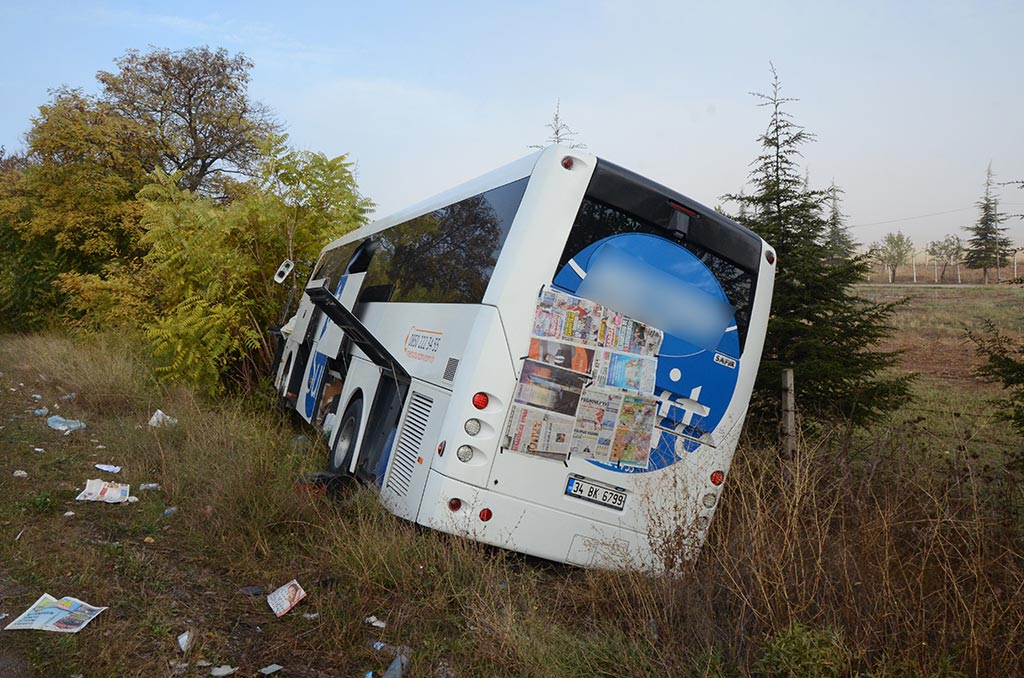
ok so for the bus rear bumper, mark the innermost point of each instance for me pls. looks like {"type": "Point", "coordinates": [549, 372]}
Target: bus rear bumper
{"type": "Point", "coordinates": [529, 528]}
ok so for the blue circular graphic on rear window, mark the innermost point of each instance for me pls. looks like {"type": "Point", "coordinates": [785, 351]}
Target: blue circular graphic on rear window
{"type": "Point", "coordinates": [663, 284]}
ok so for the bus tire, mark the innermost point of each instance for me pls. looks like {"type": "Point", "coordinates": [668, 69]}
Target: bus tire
{"type": "Point", "coordinates": [345, 443]}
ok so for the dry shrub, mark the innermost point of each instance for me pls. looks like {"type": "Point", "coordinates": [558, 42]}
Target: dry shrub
{"type": "Point", "coordinates": [901, 560]}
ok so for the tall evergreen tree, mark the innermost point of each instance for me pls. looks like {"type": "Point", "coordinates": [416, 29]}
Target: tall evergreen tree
{"type": "Point", "coordinates": [838, 241]}
{"type": "Point", "coordinates": [818, 325]}
{"type": "Point", "coordinates": [988, 246]}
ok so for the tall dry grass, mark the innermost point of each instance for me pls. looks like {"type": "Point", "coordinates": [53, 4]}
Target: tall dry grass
{"type": "Point", "coordinates": [900, 561]}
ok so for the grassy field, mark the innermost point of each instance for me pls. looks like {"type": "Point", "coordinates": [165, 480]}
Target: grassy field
{"type": "Point", "coordinates": [904, 561]}
{"type": "Point", "coordinates": [952, 408]}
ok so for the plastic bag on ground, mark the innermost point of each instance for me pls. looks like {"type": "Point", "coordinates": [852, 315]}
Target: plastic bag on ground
{"type": "Point", "coordinates": [59, 423]}
{"type": "Point", "coordinates": [159, 418]}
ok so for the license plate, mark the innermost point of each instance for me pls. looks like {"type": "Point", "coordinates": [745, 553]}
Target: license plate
{"type": "Point", "coordinates": [598, 494]}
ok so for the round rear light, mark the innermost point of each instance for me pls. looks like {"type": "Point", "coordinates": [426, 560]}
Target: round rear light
{"type": "Point", "coordinates": [702, 523]}
{"type": "Point", "coordinates": [464, 453]}
{"type": "Point", "coordinates": [480, 400]}
{"type": "Point", "coordinates": [717, 477]}
{"type": "Point", "coordinates": [709, 499]}
{"type": "Point", "coordinates": [770, 256]}
{"type": "Point", "coordinates": [567, 162]}
{"type": "Point", "coordinates": [454, 504]}
{"type": "Point", "coordinates": [486, 515]}
{"type": "Point", "coordinates": [472, 426]}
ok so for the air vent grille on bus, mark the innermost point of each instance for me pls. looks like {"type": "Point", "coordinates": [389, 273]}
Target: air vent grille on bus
{"type": "Point", "coordinates": [409, 442]}
{"type": "Point", "coordinates": [449, 371]}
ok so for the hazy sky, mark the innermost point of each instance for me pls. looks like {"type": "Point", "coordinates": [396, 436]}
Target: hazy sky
{"type": "Point", "coordinates": [909, 101]}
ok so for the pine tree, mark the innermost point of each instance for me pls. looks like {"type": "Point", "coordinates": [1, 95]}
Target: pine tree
{"type": "Point", "coordinates": [561, 133]}
{"type": "Point", "coordinates": [818, 325]}
{"type": "Point", "coordinates": [988, 247]}
{"type": "Point", "coordinates": [838, 241]}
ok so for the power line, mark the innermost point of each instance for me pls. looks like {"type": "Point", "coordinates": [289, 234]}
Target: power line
{"type": "Point", "coordinates": [925, 216]}
{"type": "Point", "coordinates": [920, 216]}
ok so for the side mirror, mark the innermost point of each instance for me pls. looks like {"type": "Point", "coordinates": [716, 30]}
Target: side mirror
{"type": "Point", "coordinates": [283, 270]}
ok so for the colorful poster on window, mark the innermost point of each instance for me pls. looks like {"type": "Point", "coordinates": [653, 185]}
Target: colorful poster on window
{"type": "Point", "coordinates": [561, 354]}
{"type": "Point", "coordinates": [551, 388]}
{"type": "Point", "coordinates": [586, 384]}
{"type": "Point", "coordinates": [624, 371]}
{"type": "Point", "coordinates": [535, 431]}
{"type": "Point", "coordinates": [633, 431]}
{"type": "Point", "coordinates": [595, 424]}
{"type": "Point", "coordinates": [580, 321]}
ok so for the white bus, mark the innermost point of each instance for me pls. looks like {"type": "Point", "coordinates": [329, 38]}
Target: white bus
{"type": "Point", "coordinates": [555, 358]}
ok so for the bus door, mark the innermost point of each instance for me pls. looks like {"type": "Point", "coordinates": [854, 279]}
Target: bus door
{"type": "Point", "coordinates": [385, 388]}
{"type": "Point", "coordinates": [342, 273]}
{"type": "Point", "coordinates": [663, 284]}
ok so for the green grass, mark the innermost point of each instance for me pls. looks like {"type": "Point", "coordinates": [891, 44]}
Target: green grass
{"type": "Point", "coordinates": [915, 565]}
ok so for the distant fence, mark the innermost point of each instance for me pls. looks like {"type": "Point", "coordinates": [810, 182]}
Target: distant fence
{"type": "Point", "coordinates": [923, 270]}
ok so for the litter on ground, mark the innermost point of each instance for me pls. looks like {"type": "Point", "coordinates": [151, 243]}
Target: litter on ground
{"type": "Point", "coordinates": [41, 412]}
{"type": "Point", "coordinates": [67, 615]}
{"type": "Point", "coordinates": [109, 468]}
{"type": "Point", "coordinates": [286, 597]}
{"type": "Point", "coordinates": [223, 670]}
{"type": "Point", "coordinates": [100, 490]}
{"type": "Point", "coordinates": [159, 418]}
{"type": "Point", "coordinates": [149, 486]}
{"type": "Point", "coordinates": [373, 621]}
{"type": "Point", "coordinates": [68, 514]}
{"type": "Point", "coordinates": [59, 423]}
{"type": "Point", "coordinates": [253, 591]}
{"type": "Point", "coordinates": [20, 474]}
{"type": "Point", "coordinates": [185, 641]}
{"type": "Point", "coordinates": [273, 668]}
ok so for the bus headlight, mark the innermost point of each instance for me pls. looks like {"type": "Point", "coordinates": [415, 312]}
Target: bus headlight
{"type": "Point", "coordinates": [472, 426]}
{"type": "Point", "coordinates": [464, 453]}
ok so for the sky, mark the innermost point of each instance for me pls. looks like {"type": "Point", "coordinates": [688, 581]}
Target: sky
{"type": "Point", "coordinates": [909, 102]}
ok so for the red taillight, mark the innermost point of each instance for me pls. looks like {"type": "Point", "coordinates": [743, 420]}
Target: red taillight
{"type": "Point", "coordinates": [486, 515]}
{"type": "Point", "coordinates": [454, 504]}
{"type": "Point", "coordinates": [717, 477]}
{"type": "Point", "coordinates": [480, 400]}
{"type": "Point", "coordinates": [567, 163]}
{"type": "Point", "coordinates": [680, 208]}
{"type": "Point", "coordinates": [770, 256]}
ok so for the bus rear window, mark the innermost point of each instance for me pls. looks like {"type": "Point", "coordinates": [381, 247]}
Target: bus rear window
{"type": "Point", "coordinates": [597, 220]}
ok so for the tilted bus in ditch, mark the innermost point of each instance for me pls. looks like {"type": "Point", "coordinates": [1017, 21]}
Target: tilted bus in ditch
{"type": "Point", "coordinates": [555, 358]}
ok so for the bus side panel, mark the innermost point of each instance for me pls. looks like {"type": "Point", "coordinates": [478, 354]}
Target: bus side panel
{"type": "Point", "coordinates": [414, 449]}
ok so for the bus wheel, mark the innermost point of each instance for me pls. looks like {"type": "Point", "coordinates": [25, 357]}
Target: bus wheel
{"type": "Point", "coordinates": [345, 444]}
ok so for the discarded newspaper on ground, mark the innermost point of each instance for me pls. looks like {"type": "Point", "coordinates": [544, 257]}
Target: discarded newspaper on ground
{"type": "Point", "coordinates": [285, 598]}
{"type": "Point", "coordinates": [100, 490]}
{"type": "Point", "coordinates": [67, 615]}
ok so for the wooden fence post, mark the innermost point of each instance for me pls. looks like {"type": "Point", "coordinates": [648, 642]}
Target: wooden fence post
{"type": "Point", "coordinates": [788, 414]}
